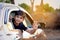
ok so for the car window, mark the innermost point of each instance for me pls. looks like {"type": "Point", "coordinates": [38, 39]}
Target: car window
{"type": "Point", "coordinates": [27, 21]}
{"type": "Point", "coordinates": [11, 16]}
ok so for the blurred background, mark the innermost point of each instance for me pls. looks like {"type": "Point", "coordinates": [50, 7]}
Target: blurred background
{"type": "Point", "coordinates": [47, 12]}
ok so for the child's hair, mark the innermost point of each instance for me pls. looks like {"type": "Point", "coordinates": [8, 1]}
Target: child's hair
{"type": "Point", "coordinates": [21, 13]}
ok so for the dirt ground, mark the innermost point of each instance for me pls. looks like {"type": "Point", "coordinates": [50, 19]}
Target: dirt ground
{"type": "Point", "coordinates": [52, 34]}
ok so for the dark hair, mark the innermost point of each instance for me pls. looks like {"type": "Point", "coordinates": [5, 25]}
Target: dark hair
{"type": "Point", "coordinates": [21, 13]}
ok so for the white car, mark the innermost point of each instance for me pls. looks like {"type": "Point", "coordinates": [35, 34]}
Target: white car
{"type": "Point", "coordinates": [5, 25]}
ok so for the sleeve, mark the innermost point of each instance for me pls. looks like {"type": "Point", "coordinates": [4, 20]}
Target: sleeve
{"type": "Point", "coordinates": [23, 27]}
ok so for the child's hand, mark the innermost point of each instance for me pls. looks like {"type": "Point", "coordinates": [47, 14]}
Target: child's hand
{"type": "Point", "coordinates": [35, 25]}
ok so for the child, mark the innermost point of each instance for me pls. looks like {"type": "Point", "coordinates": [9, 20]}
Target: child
{"type": "Point", "coordinates": [18, 21]}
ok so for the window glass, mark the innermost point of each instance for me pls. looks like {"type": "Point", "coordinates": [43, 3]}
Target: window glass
{"type": "Point", "coordinates": [28, 22]}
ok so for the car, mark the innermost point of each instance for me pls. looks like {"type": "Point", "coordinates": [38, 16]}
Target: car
{"type": "Point", "coordinates": [5, 26]}
{"type": "Point", "coordinates": [6, 11]}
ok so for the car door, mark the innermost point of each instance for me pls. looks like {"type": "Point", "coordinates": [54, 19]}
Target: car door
{"type": "Point", "coordinates": [8, 35]}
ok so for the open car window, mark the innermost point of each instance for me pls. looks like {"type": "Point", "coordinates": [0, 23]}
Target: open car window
{"type": "Point", "coordinates": [26, 21]}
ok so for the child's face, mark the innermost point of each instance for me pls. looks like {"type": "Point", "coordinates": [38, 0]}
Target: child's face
{"type": "Point", "coordinates": [18, 19]}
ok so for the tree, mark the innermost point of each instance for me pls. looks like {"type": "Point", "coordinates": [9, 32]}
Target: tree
{"type": "Point", "coordinates": [1, 0]}
{"type": "Point", "coordinates": [12, 1]}
{"type": "Point", "coordinates": [32, 4]}
{"type": "Point", "coordinates": [58, 10]}
{"type": "Point", "coordinates": [26, 7]}
{"type": "Point", "coordinates": [48, 8]}
{"type": "Point", "coordinates": [7, 1]}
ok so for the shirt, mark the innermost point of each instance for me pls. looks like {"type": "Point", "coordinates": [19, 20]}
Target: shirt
{"type": "Point", "coordinates": [20, 26]}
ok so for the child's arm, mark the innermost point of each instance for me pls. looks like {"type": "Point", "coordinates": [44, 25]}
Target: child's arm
{"type": "Point", "coordinates": [34, 27]}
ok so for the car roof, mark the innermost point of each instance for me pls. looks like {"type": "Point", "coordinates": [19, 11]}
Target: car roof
{"type": "Point", "coordinates": [2, 5]}
{"type": "Point", "coordinates": [11, 5]}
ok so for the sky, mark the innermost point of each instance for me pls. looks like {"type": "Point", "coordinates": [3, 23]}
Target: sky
{"type": "Point", "coordinates": [54, 3]}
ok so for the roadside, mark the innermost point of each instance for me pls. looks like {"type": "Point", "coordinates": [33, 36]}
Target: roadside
{"type": "Point", "coordinates": [52, 34]}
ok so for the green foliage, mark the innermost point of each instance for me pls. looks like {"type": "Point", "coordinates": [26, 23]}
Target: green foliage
{"type": "Point", "coordinates": [48, 8]}
{"type": "Point", "coordinates": [26, 7]}
{"type": "Point", "coordinates": [57, 9]}
{"type": "Point", "coordinates": [1, 0]}
{"type": "Point", "coordinates": [8, 1]}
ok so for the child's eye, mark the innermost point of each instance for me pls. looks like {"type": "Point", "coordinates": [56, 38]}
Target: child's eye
{"type": "Point", "coordinates": [20, 17]}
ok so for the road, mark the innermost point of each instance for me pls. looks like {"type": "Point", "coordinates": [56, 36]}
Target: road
{"type": "Point", "coordinates": [52, 34]}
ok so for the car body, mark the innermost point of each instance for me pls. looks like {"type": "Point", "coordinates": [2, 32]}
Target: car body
{"type": "Point", "coordinates": [5, 10]}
